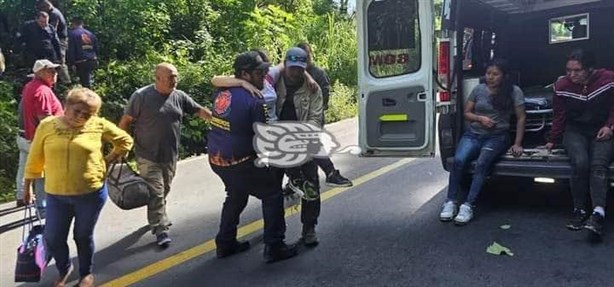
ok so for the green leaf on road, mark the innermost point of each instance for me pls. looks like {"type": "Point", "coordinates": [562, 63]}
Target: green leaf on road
{"type": "Point", "coordinates": [497, 249]}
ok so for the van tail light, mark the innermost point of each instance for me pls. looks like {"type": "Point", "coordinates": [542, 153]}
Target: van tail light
{"type": "Point", "coordinates": [443, 69]}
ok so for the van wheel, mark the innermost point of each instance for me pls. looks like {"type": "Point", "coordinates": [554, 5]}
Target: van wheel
{"type": "Point", "coordinates": [446, 136]}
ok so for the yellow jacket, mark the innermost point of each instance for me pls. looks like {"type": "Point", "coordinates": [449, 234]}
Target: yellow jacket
{"type": "Point", "coordinates": [72, 159]}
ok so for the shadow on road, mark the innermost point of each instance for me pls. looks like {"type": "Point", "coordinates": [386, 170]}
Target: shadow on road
{"type": "Point", "coordinates": [109, 255]}
{"type": "Point", "coordinates": [10, 210]}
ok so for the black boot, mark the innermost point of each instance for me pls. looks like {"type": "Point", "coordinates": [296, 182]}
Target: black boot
{"type": "Point", "coordinates": [278, 252]}
{"type": "Point", "coordinates": [309, 237]}
{"type": "Point", "coordinates": [225, 251]}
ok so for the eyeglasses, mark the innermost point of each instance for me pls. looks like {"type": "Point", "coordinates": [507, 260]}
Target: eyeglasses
{"type": "Point", "coordinates": [83, 113]}
{"type": "Point", "coordinates": [294, 58]}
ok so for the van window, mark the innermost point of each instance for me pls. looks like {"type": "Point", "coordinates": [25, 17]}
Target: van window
{"type": "Point", "coordinates": [393, 37]}
{"type": "Point", "coordinates": [569, 28]}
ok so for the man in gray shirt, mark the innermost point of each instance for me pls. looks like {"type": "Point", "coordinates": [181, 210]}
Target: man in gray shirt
{"type": "Point", "coordinates": [157, 112]}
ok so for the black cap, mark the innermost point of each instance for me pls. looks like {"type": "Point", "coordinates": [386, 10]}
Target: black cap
{"type": "Point", "coordinates": [250, 61]}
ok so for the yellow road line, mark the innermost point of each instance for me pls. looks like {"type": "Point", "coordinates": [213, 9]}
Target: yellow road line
{"type": "Point", "coordinates": [181, 257]}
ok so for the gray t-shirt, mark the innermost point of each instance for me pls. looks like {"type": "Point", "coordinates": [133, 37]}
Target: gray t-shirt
{"type": "Point", "coordinates": [483, 107]}
{"type": "Point", "coordinates": [157, 122]}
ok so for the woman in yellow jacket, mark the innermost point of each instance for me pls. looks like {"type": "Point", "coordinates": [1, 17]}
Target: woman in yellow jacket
{"type": "Point", "coordinates": [68, 149]}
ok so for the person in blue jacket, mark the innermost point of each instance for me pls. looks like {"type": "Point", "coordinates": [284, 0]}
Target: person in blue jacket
{"type": "Point", "coordinates": [82, 52]}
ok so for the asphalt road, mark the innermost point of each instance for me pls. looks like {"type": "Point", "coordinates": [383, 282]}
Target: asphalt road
{"type": "Point", "coordinates": [382, 232]}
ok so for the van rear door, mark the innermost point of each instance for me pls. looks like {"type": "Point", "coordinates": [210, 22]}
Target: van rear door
{"type": "Point", "coordinates": [395, 73]}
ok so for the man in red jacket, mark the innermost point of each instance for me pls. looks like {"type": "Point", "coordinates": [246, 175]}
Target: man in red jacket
{"type": "Point", "coordinates": [584, 116]}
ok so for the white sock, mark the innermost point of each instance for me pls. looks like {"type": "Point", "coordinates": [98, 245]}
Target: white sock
{"type": "Point", "coordinates": [600, 210]}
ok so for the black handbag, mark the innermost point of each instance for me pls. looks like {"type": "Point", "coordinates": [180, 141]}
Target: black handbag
{"type": "Point", "coordinates": [31, 255]}
{"type": "Point", "coordinates": [127, 189]}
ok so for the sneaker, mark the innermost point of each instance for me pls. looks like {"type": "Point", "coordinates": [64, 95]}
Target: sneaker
{"type": "Point", "coordinates": [448, 211]}
{"type": "Point", "coordinates": [304, 189]}
{"type": "Point", "coordinates": [465, 214]}
{"type": "Point", "coordinates": [309, 237]}
{"type": "Point", "coordinates": [278, 252]}
{"type": "Point", "coordinates": [336, 179]}
{"type": "Point", "coordinates": [310, 191]}
{"type": "Point", "coordinates": [163, 240]}
{"type": "Point", "coordinates": [578, 219]}
{"type": "Point", "coordinates": [595, 224]}
{"type": "Point", "coordinates": [87, 281]}
{"type": "Point", "coordinates": [237, 247]}
{"type": "Point", "coordinates": [295, 185]}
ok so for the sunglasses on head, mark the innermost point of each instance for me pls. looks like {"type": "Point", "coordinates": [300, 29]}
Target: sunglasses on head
{"type": "Point", "coordinates": [296, 58]}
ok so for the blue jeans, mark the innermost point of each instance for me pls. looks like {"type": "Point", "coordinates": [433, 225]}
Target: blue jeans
{"type": "Point", "coordinates": [486, 149]}
{"type": "Point", "coordinates": [61, 209]}
{"type": "Point", "coordinates": [38, 184]}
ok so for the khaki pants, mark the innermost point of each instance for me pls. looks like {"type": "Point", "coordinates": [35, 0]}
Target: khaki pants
{"type": "Point", "coordinates": [160, 176]}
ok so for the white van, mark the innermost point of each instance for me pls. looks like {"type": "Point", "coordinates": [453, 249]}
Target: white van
{"type": "Point", "coordinates": [407, 74]}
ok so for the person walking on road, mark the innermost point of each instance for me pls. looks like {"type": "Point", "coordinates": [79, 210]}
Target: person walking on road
{"type": "Point", "coordinates": [157, 112]}
{"type": "Point", "coordinates": [232, 157]}
{"type": "Point", "coordinates": [584, 116]}
{"type": "Point", "coordinates": [68, 150]}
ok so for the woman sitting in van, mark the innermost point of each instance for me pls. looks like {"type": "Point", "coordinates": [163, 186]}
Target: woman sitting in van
{"type": "Point", "coordinates": [488, 110]}
{"type": "Point", "coordinates": [584, 115]}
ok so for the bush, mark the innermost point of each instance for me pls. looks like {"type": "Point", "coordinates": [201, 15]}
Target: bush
{"type": "Point", "coordinates": [342, 103]}
{"type": "Point", "coordinates": [8, 146]}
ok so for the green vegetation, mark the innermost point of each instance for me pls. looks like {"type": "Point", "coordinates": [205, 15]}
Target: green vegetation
{"type": "Point", "coordinates": [201, 37]}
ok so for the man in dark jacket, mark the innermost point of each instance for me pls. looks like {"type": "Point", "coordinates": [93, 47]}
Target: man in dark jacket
{"type": "Point", "coordinates": [40, 40]}
{"type": "Point", "coordinates": [82, 49]}
{"type": "Point", "coordinates": [58, 22]}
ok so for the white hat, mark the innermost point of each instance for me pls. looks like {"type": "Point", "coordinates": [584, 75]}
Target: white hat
{"type": "Point", "coordinates": [43, 64]}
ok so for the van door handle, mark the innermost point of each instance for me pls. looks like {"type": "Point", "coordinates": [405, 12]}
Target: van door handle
{"type": "Point", "coordinates": [422, 97]}
{"type": "Point", "coordinates": [387, 102]}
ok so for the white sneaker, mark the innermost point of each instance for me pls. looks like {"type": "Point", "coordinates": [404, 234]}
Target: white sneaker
{"type": "Point", "coordinates": [465, 214]}
{"type": "Point", "coordinates": [447, 211]}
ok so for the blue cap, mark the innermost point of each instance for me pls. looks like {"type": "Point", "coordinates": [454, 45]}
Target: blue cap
{"type": "Point", "coordinates": [296, 57]}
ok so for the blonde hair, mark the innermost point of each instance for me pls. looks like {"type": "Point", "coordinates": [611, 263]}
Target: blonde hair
{"type": "Point", "coordinates": [84, 96]}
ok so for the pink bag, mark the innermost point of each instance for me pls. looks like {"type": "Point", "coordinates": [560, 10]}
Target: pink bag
{"type": "Point", "coordinates": [31, 255]}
